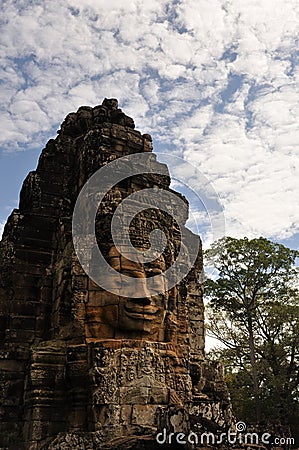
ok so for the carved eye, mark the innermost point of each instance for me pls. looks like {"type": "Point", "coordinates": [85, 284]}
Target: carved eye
{"type": "Point", "coordinates": [151, 272]}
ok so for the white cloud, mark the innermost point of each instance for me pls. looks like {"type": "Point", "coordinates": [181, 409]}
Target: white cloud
{"type": "Point", "coordinates": [217, 83]}
{"type": "Point", "coordinates": [1, 228]}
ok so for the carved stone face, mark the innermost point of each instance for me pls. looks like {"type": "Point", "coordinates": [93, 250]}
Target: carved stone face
{"type": "Point", "coordinates": [129, 316]}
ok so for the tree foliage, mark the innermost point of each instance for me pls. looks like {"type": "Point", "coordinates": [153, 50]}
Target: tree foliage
{"type": "Point", "coordinates": [254, 312]}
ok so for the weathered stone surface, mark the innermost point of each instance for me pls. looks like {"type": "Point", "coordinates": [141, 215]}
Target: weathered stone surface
{"type": "Point", "coordinates": [82, 368]}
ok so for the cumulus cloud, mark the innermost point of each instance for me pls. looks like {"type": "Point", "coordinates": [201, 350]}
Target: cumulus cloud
{"type": "Point", "coordinates": [215, 83]}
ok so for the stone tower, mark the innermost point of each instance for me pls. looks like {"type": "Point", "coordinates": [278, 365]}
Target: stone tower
{"type": "Point", "coordinates": [83, 367]}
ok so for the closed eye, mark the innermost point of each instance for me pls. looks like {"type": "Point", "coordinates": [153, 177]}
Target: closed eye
{"type": "Point", "coordinates": [153, 272]}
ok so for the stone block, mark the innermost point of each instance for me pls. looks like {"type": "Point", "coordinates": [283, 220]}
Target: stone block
{"type": "Point", "coordinates": [144, 415]}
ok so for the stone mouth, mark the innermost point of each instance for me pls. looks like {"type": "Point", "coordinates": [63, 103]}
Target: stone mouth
{"type": "Point", "coordinates": [141, 312]}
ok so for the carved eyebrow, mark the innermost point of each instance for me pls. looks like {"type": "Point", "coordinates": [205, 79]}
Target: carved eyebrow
{"type": "Point", "coordinates": [133, 274]}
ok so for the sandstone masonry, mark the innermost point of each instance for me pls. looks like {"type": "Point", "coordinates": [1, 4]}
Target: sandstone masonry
{"type": "Point", "coordinates": [75, 374]}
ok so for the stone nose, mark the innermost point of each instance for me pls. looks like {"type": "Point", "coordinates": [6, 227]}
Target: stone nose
{"type": "Point", "coordinates": [144, 296]}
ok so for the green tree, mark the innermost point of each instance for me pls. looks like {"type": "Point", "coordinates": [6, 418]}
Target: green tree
{"type": "Point", "coordinates": [254, 312]}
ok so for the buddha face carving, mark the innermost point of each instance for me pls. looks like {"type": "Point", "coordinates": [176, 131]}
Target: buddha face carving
{"type": "Point", "coordinates": [147, 311]}
{"type": "Point", "coordinates": [117, 316]}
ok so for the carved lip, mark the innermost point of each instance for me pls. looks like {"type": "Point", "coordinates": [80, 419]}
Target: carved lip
{"type": "Point", "coordinates": [141, 312]}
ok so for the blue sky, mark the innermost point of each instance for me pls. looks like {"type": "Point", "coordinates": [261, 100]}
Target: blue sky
{"type": "Point", "coordinates": [214, 82]}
